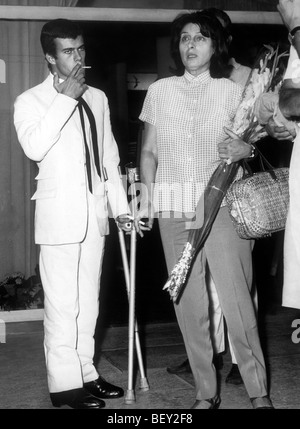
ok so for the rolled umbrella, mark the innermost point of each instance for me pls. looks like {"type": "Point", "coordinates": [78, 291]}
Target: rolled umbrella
{"type": "Point", "coordinates": [206, 212]}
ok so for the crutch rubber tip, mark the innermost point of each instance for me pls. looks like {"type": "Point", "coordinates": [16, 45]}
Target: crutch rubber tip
{"type": "Point", "coordinates": [130, 397]}
{"type": "Point", "coordinates": [144, 384]}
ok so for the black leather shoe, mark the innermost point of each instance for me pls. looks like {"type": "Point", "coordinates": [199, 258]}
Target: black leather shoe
{"type": "Point", "coordinates": [207, 404]}
{"type": "Point", "coordinates": [76, 398]}
{"type": "Point", "coordinates": [181, 368]}
{"type": "Point", "coordinates": [102, 389]}
{"type": "Point", "coordinates": [234, 376]}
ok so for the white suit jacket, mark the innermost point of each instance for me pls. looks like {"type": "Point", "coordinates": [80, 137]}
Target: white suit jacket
{"type": "Point", "coordinates": [49, 130]}
{"type": "Point", "coordinates": [291, 287]}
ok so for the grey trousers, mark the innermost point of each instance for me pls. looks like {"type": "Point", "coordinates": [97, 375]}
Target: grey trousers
{"type": "Point", "coordinates": [230, 262]}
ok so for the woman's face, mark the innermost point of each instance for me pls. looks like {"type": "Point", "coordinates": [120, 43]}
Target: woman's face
{"type": "Point", "coordinates": [195, 49]}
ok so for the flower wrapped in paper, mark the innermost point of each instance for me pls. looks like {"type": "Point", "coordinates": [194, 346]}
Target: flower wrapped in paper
{"type": "Point", "coordinates": [245, 125]}
{"type": "Point", "coordinates": [206, 212]}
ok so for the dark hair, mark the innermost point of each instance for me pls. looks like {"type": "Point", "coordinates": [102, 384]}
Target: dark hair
{"type": "Point", "coordinates": [211, 27]}
{"type": "Point", "coordinates": [222, 17]}
{"type": "Point", "coordinates": [58, 28]}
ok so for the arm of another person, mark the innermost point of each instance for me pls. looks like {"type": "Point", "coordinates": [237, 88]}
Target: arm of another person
{"type": "Point", "coordinates": [290, 14]}
{"type": "Point", "coordinates": [289, 96]}
{"type": "Point", "coordinates": [148, 167]}
{"type": "Point", "coordinates": [289, 100]}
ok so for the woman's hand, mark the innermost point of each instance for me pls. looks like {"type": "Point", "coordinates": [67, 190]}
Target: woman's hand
{"type": "Point", "coordinates": [126, 222]}
{"type": "Point", "coordinates": [144, 220]}
{"type": "Point", "coordinates": [233, 149]}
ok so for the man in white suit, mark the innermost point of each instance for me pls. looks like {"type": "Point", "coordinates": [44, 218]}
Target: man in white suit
{"type": "Point", "coordinates": [71, 218]}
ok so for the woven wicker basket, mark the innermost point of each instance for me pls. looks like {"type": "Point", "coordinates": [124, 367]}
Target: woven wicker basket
{"type": "Point", "coordinates": [258, 204]}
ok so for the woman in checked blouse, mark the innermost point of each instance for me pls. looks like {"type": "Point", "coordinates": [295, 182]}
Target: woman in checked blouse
{"type": "Point", "coordinates": [185, 120]}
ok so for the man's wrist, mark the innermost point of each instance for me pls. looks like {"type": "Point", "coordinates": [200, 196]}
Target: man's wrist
{"type": "Point", "coordinates": [293, 33]}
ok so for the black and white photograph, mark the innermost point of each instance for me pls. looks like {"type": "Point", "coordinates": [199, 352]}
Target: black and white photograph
{"type": "Point", "coordinates": [150, 207]}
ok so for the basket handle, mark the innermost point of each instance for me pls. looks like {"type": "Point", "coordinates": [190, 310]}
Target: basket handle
{"type": "Point", "coordinates": [265, 165]}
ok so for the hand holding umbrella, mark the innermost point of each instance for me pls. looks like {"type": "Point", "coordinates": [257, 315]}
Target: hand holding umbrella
{"type": "Point", "coordinates": [231, 151]}
{"type": "Point", "coordinates": [206, 212]}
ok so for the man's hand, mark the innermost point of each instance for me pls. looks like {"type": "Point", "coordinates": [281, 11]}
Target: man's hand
{"type": "Point", "coordinates": [74, 86]}
{"type": "Point", "coordinates": [124, 222]}
{"type": "Point", "coordinates": [233, 148]}
{"type": "Point", "coordinates": [290, 12]}
{"type": "Point", "coordinates": [279, 132]}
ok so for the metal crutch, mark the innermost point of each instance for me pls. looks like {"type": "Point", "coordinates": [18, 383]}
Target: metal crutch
{"type": "Point", "coordinates": [133, 333]}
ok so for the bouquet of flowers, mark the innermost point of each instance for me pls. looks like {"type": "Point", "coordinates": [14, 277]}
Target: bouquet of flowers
{"type": "Point", "coordinates": [264, 81]}
{"type": "Point", "coordinates": [8, 289]}
{"type": "Point", "coordinates": [264, 77]}
{"type": "Point", "coordinates": [18, 293]}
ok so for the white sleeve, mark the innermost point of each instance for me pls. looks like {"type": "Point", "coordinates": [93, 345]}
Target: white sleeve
{"type": "Point", "coordinates": [293, 68]}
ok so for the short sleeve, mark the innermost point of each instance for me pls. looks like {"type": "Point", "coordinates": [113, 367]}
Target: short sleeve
{"type": "Point", "coordinates": [148, 113]}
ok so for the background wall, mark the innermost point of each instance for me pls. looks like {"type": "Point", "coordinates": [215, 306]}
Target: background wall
{"type": "Point", "coordinates": [266, 5]}
{"type": "Point", "coordinates": [147, 4]}
{"type": "Point", "coordinates": [25, 67]}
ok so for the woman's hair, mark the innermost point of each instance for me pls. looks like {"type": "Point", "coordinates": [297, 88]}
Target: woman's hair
{"type": "Point", "coordinates": [222, 17]}
{"type": "Point", "coordinates": [210, 27]}
{"type": "Point", "coordinates": [58, 28]}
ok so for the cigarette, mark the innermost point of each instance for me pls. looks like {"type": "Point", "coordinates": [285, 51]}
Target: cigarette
{"type": "Point", "coordinates": [141, 222]}
{"type": "Point", "coordinates": [86, 67]}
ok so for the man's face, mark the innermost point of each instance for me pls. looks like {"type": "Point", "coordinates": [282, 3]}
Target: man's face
{"type": "Point", "coordinates": [69, 53]}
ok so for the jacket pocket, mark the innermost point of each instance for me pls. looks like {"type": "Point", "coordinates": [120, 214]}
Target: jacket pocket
{"type": "Point", "coordinates": [99, 189]}
{"type": "Point", "coordinates": [46, 188]}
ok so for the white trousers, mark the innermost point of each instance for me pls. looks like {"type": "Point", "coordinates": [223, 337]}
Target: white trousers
{"type": "Point", "coordinates": [70, 275]}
